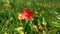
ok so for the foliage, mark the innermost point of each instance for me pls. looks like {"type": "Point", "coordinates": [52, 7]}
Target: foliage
{"type": "Point", "coordinates": [46, 17]}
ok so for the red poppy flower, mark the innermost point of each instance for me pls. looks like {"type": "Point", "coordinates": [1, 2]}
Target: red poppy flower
{"type": "Point", "coordinates": [27, 14]}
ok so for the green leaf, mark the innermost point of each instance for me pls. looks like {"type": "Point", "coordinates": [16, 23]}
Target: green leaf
{"type": "Point", "coordinates": [44, 21]}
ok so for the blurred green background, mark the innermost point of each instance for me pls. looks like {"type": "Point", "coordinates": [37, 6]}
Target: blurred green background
{"type": "Point", "coordinates": [46, 17]}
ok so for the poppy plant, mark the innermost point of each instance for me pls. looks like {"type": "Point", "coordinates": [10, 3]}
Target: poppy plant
{"type": "Point", "coordinates": [27, 14]}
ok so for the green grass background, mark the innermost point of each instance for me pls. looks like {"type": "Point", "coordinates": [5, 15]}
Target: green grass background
{"type": "Point", "coordinates": [47, 16]}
